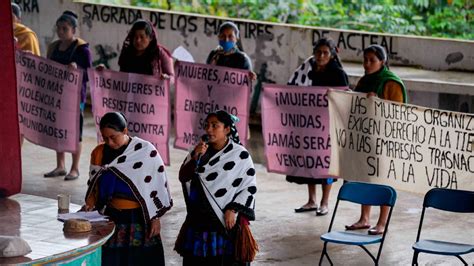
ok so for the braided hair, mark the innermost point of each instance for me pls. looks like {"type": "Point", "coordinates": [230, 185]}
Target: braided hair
{"type": "Point", "coordinates": [228, 120]}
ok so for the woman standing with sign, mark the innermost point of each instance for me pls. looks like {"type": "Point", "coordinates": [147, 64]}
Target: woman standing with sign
{"type": "Point", "coordinates": [128, 179]}
{"type": "Point", "coordinates": [72, 51]}
{"type": "Point", "coordinates": [227, 54]}
{"type": "Point", "coordinates": [142, 54]}
{"type": "Point", "coordinates": [219, 186]}
{"type": "Point", "coordinates": [381, 82]}
{"type": "Point", "coordinates": [324, 68]}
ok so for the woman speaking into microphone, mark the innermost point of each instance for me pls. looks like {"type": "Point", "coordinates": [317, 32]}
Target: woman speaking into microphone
{"type": "Point", "coordinates": [219, 185]}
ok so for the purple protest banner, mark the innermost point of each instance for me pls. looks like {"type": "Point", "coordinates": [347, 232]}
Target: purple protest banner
{"type": "Point", "coordinates": [143, 99]}
{"type": "Point", "coordinates": [202, 89]}
{"type": "Point", "coordinates": [48, 102]}
{"type": "Point", "coordinates": [296, 132]}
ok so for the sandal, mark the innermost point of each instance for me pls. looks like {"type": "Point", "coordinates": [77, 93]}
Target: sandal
{"type": "Point", "coordinates": [69, 177]}
{"type": "Point", "coordinates": [303, 209]}
{"type": "Point", "coordinates": [373, 231]}
{"type": "Point", "coordinates": [357, 226]}
{"type": "Point", "coordinates": [321, 211]}
{"type": "Point", "coordinates": [55, 173]}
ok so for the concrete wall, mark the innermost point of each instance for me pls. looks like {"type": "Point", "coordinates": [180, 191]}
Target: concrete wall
{"type": "Point", "coordinates": [280, 47]}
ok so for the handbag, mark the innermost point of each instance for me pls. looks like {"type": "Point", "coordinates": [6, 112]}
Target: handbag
{"type": "Point", "coordinates": [246, 247]}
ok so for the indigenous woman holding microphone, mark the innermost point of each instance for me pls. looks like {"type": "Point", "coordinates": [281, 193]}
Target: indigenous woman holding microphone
{"type": "Point", "coordinates": [219, 185]}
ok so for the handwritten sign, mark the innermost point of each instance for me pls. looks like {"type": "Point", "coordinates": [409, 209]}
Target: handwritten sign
{"type": "Point", "coordinates": [406, 146]}
{"type": "Point", "coordinates": [48, 102]}
{"type": "Point", "coordinates": [143, 99]}
{"type": "Point", "coordinates": [203, 89]}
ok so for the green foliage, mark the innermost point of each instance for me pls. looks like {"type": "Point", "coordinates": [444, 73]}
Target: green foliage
{"type": "Point", "coordinates": [439, 18]}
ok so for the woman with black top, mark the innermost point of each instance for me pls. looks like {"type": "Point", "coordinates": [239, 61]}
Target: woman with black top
{"type": "Point", "coordinates": [228, 54]}
{"type": "Point", "coordinates": [324, 68]}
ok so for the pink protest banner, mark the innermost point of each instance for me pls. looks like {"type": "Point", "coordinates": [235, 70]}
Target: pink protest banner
{"type": "Point", "coordinates": [295, 124]}
{"type": "Point", "coordinates": [143, 99]}
{"type": "Point", "coordinates": [48, 102]}
{"type": "Point", "coordinates": [202, 89]}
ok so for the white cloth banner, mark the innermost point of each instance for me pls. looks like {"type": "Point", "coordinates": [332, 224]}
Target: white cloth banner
{"type": "Point", "coordinates": [408, 147]}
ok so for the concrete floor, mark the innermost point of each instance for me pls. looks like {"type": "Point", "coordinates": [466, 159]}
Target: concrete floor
{"type": "Point", "coordinates": [285, 238]}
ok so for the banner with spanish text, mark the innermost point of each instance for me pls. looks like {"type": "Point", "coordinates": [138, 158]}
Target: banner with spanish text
{"type": "Point", "coordinates": [295, 121]}
{"type": "Point", "coordinates": [48, 102]}
{"type": "Point", "coordinates": [143, 99]}
{"type": "Point", "coordinates": [409, 147]}
{"type": "Point", "coordinates": [202, 89]}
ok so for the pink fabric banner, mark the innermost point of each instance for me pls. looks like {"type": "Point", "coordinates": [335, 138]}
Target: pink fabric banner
{"type": "Point", "coordinates": [48, 102]}
{"type": "Point", "coordinates": [143, 99]}
{"type": "Point", "coordinates": [202, 89]}
{"type": "Point", "coordinates": [296, 132]}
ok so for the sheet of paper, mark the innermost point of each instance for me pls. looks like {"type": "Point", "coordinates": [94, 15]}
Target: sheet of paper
{"type": "Point", "coordinates": [94, 216]}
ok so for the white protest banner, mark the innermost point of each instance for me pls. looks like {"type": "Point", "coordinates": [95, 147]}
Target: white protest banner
{"type": "Point", "coordinates": [295, 129]}
{"type": "Point", "coordinates": [48, 102]}
{"type": "Point", "coordinates": [409, 147]}
{"type": "Point", "coordinates": [203, 89]}
{"type": "Point", "coordinates": [143, 99]}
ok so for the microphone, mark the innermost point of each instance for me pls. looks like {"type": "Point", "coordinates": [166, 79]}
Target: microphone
{"type": "Point", "coordinates": [205, 139]}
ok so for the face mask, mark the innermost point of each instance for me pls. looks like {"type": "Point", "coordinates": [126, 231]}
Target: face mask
{"type": "Point", "coordinates": [227, 45]}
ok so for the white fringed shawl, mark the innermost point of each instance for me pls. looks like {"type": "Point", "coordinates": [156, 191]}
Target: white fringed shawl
{"type": "Point", "coordinates": [300, 75]}
{"type": "Point", "coordinates": [141, 167]}
{"type": "Point", "coordinates": [229, 181]}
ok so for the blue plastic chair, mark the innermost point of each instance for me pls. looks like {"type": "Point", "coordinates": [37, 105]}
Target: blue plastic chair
{"type": "Point", "coordinates": [364, 194]}
{"type": "Point", "coordinates": [460, 201]}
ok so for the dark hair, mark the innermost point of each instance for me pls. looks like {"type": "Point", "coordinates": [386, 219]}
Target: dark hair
{"type": "Point", "coordinates": [141, 25]}
{"type": "Point", "coordinates": [229, 121]}
{"type": "Point", "coordinates": [113, 120]}
{"type": "Point", "coordinates": [222, 116]}
{"type": "Point", "coordinates": [152, 52]}
{"type": "Point", "coordinates": [379, 52]}
{"type": "Point", "coordinates": [16, 10]}
{"type": "Point", "coordinates": [331, 44]}
{"type": "Point", "coordinates": [69, 17]}
{"type": "Point", "coordinates": [229, 25]}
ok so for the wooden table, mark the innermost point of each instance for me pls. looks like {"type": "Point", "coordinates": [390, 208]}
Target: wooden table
{"type": "Point", "coordinates": [35, 220]}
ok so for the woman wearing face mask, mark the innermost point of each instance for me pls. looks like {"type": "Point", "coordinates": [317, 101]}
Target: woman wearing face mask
{"type": "Point", "coordinates": [74, 52]}
{"type": "Point", "coordinates": [380, 82]}
{"type": "Point", "coordinates": [128, 180]}
{"type": "Point", "coordinates": [227, 54]}
{"type": "Point", "coordinates": [142, 54]}
{"type": "Point", "coordinates": [219, 186]}
{"type": "Point", "coordinates": [324, 68]}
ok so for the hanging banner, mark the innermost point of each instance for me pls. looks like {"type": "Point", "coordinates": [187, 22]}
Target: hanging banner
{"type": "Point", "coordinates": [48, 102]}
{"type": "Point", "coordinates": [295, 122]}
{"type": "Point", "coordinates": [202, 89]}
{"type": "Point", "coordinates": [143, 99]}
{"type": "Point", "coordinates": [409, 147]}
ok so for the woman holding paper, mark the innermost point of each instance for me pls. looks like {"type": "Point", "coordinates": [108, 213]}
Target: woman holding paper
{"type": "Point", "coordinates": [72, 51]}
{"type": "Point", "coordinates": [128, 180]}
{"type": "Point", "coordinates": [228, 54]}
{"type": "Point", "coordinates": [142, 54]}
{"type": "Point", "coordinates": [378, 81]}
{"type": "Point", "coordinates": [324, 68]}
{"type": "Point", "coordinates": [219, 186]}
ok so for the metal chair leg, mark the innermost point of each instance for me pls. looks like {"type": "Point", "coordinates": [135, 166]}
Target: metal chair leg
{"type": "Point", "coordinates": [414, 260]}
{"type": "Point", "coordinates": [463, 261]}
{"type": "Point", "coordinates": [325, 253]}
{"type": "Point", "coordinates": [322, 256]}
